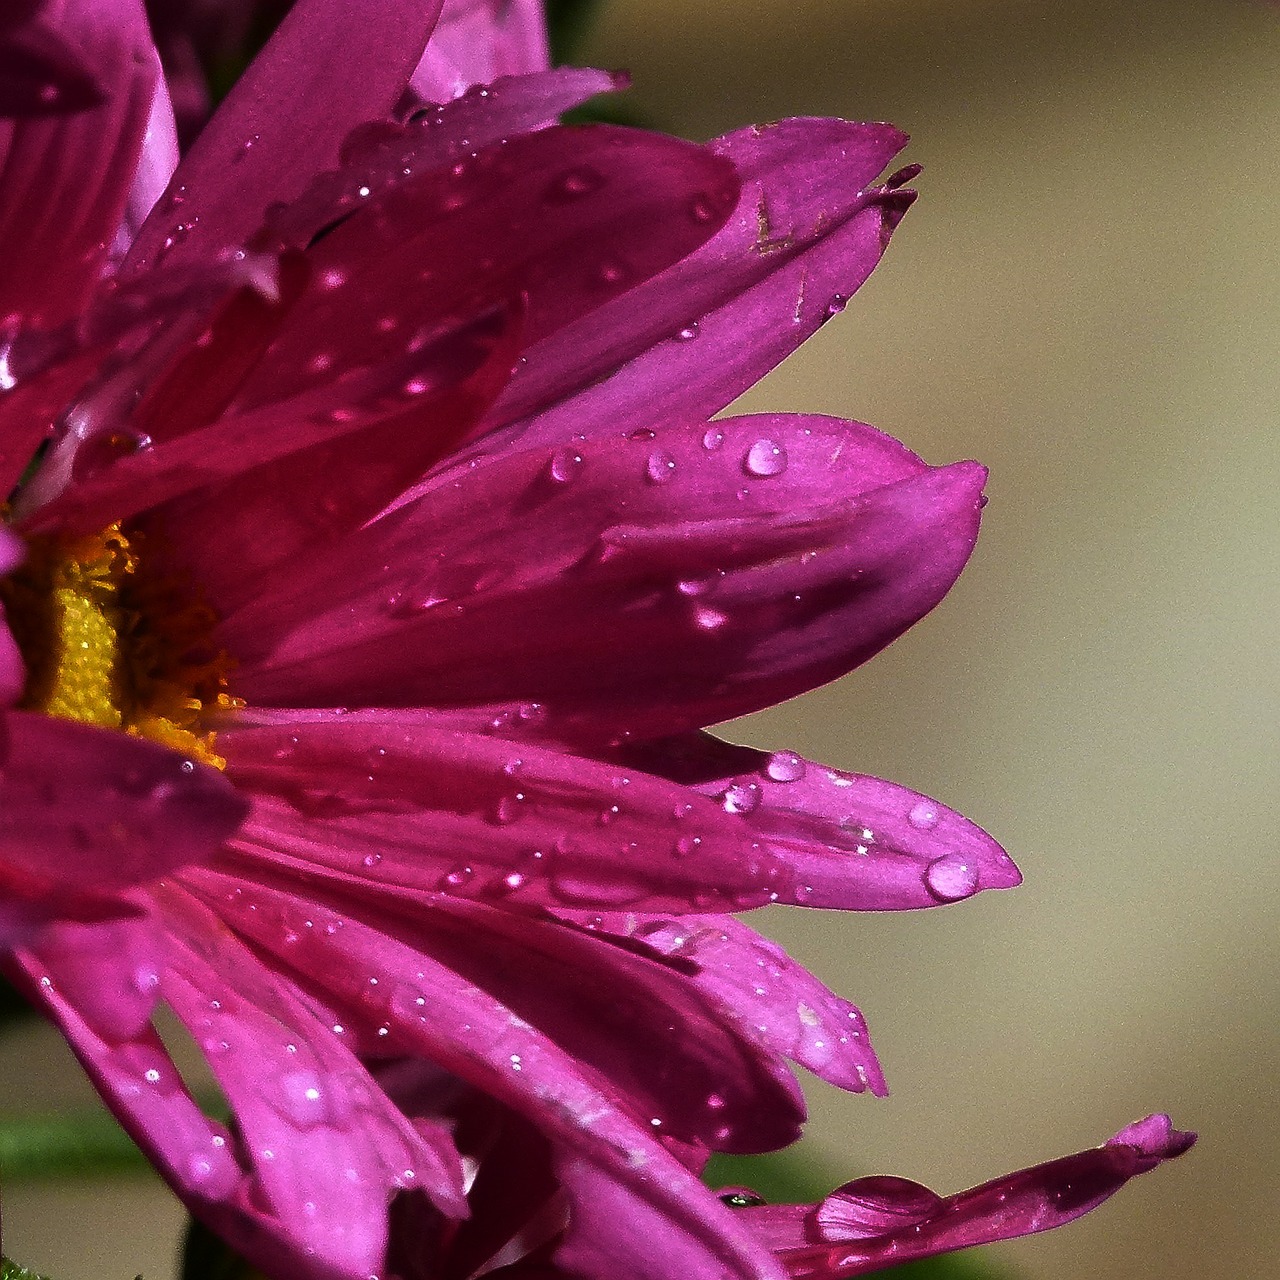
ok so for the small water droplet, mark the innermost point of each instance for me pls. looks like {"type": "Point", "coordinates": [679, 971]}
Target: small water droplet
{"type": "Point", "coordinates": [741, 1199]}
{"type": "Point", "coordinates": [611, 273]}
{"type": "Point", "coordinates": [837, 303]}
{"type": "Point", "coordinates": [707, 619]}
{"type": "Point", "coordinates": [574, 184]}
{"type": "Point", "coordinates": [712, 439]}
{"type": "Point", "coordinates": [702, 210]}
{"type": "Point", "coordinates": [606, 816]}
{"type": "Point", "coordinates": [688, 333]}
{"type": "Point", "coordinates": [784, 766]}
{"type": "Point", "coordinates": [509, 808]}
{"type": "Point", "coordinates": [459, 878]}
{"type": "Point", "coordinates": [951, 878]}
{"type": "Point", "coordinates": [686, 845]}
{"type": "Point", "coordinates": [370, 860]}
{"type": "Point", "coordinates": [660, 468]}
{"type": "Point", "coordinates": [765, 458]}
{"type": "Point", "coordinates": [924, 815]}
{"type": "Point", "coordinates": [564, 465]}
{"type": "Point", "coordinates": [741, 797]}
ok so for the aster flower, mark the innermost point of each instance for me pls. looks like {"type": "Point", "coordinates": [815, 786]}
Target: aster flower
{"type": "Point", "coordinates": [377, 574]}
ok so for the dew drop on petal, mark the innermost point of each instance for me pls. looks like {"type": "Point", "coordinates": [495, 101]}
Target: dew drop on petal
{"type": "Point", "coordinates": [741, 797]}
{"type": "Point", "coordinates": [660, 468]}
{"type": "Point", "coordinates": [765, 458]}
{"type": "Point", "coordinates": [688, 333]}
{"type": "Point", "coordinates": [370, 860]}
{"type": "Point", "coordinates": [924, 816]}
{"type": "Point", "coordinates": [564, 465]}
{"type": "Point", "coordinates": [837, 303]}
{"type": "Point", "coordinates": [712, 439]}
{"type": "Point", "coordinates": [784, 766]}
{"type": "Point", "coordinates": [951, 878]}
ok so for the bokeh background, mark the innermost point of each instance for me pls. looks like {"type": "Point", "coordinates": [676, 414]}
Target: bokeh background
{"type": "Point", "coordinates": [1086, 299]}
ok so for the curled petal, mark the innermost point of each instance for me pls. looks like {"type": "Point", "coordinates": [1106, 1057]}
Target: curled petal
{"type": "Point", "coordinates": [684, 575]}
{"type": "Point", "coordinates": [878, 1222]}
{"type": "Point", "coordinates": [851, 841]}
{"type": "Point", "coordinates": [87, 813]}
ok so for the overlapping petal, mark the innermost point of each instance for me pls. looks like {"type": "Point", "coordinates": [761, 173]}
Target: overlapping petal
{"type": "Point", "coordinates": [479, 41]}
{"type": "Point", "coordinates": [878, 1222]}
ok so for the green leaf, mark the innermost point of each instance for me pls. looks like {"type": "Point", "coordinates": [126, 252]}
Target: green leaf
{"type": "Point", "coordinates": [11, 1271]}
{"type": "Point", "coordinates": [69, 1144]}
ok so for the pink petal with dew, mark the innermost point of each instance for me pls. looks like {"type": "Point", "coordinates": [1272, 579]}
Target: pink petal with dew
{"type": "Point", "coordinates": [304, 1184]}
{"type": "Point", "coordinates": [569, 217]}
{"type": "Point", "coordinates": [267, 140]}
{"type": "Point", "coordinates": [684, 575]}
{"type": "Point", "coordinates": [808, 230]}
{"type": "Point", "coordinates": [384, 153]}
{"type": "Point", "coordinates": [64, 179]}
{"type": "Point", "coordinates": [851, 841]}
{"type": "Point", "coordinates": [402, 799]}
{"type": "Point", "coordinates": [476, 41]}
{"type": "Point", "coordinates": [775, 1000]}
{"type": "Point", "coordinates": [87, 813]}
{"type": "Point", "coordinates": [878, 1222]}
{"type": "Point", "coordinates": [42, 72]}
{"type": "Point", "coordinates": [375, 977]}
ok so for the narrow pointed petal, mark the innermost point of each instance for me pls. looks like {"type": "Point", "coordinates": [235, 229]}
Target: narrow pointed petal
{"type": "Point", "coordinates": [385, 153]}
{"type": "Point", "coordinates": [756, 983]}
{"type": "Point", "coordinates": [809, 229]}
{"type": "Point", "coordinates": [477, 41]}
{"type": "Point", "coordinates": [64, 178]}
{"type": "Point", "coordinates": [462, 1029]}
{"type": "Point", "coordinates": [879, 1222]}
{"type": "Point", "coordinates": [87, 813]}
{"type": "Point", "coordinates": [852, 841]}
{"type": "Point", "coordinates": [266, 142]}
{"type": "Point", "coordinates": [401, 800]}
{"type": "Point", "coordinates": [684, 576]}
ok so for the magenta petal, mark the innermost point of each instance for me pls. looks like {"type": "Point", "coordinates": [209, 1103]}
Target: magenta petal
{"type": "Point", "coordinates": [852, 841]}
{"type": "Point", "coordinates": [476, 41]}
{"type": "Point", "coordinates": [683, 576]}
{"type": "Point", "coordinates": [611, 1234]}
{"type": "Point", "coordinates": [431, 1013]}
{"type": "Point", "coordinates": [385, 154]}
{"type": "Point", "coordinates": [874, 1223]}
{"type": "Point", "coordinates": [86, 813]}
{"type": "Point", "coordinates": [755, 982]}
{"type": "Point", "coordinates": [267, 141]}
{"type": "Point", "coordinates": [64, 179]}
{"type": "Point", "coordinates": [808, 230]}
{"type": "Point", "coordinates": [41, 72]}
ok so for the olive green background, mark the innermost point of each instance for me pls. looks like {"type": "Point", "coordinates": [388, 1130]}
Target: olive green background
{"type": "Point", "coordinates": [1084, 298]}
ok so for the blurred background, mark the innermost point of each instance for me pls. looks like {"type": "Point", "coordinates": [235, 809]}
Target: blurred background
{"type": "Point", "coordinates": [1086, 299]}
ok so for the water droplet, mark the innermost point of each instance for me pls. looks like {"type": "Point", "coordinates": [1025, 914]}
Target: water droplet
{"type": "Point", "coordinates": [606, 816]}
{"type": "Point", "coordinates": [688, 333]}
{"type": "Point", "coordinates": [509, 808]}
{"type": "Point", "coordinates": [765, 458]}
{"type": "Point", "coordinates": [924, 816]}
{"type": "Point", "coordinates": [951, 878]}
{"type": "Point", "coordinates": [459, 878]}
{"type": "Point", "coordinates": [574, 184]}
{"type": "Point", "coordinates": [712, 439]}
{"type": "Point", "coordinates": [741, 797]}
{"type": "Point", "coordinates": [709, 619]}
{"type": "Point", "coordinates": [741, 1199]}
{"type": "Point", "coordinates": [564, 465]}
{"type": "Point", "coordinates": [784, 766]}
{"type": "Point", "coordinates": [702, 210]}
{"type": "Point", "coordinates": [370, 860]}
{"type": "Point", "coordinates": [837, 304]}
{"type": "Point", "coordinates": [686, 845]}
{"type": "Point", "coordinates": [641, 434]}
{"type": "Point", "coordinates": [660, 468]}
{"type": "Point", "coordinates": [611, 273]}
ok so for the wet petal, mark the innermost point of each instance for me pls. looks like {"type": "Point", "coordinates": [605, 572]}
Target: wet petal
{"type": "Point", "coordinates": [809, 228]}
{"type": "Point", "coordinates": [476, 41]}
{"type": "Point", "coordinates": [433, 1014]}
{"type": "Point", "coordinates": [683, 576]}
{"type": "Point", "coordinates": [87, 813]}
{"type": "Point", "coordinates": [852, 841]}
{"type": "Point", "coordinates": [267, 141]}
{"type": "Point", "coordinates": [879, 1222]}
{"type": "Point", "coordinates": [64, 178]}
{"type": "Point", "coordinates": [756, 983]}
{"type": "Point", "coordinates": [403, 800]}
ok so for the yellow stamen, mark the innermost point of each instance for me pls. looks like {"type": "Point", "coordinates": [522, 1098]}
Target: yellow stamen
{"type": "Point", "coordinates": [106, 645]}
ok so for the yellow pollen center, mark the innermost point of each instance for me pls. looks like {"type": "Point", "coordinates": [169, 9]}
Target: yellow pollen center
{"type": "Point", "coordinates": [105, 645]}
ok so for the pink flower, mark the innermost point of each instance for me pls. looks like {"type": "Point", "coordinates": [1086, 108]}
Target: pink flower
{"type": "Point", "coordinates": [357, 683]}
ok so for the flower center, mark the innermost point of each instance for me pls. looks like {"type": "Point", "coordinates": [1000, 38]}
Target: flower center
{"type": "Point", "coordinates": [107, 645]}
